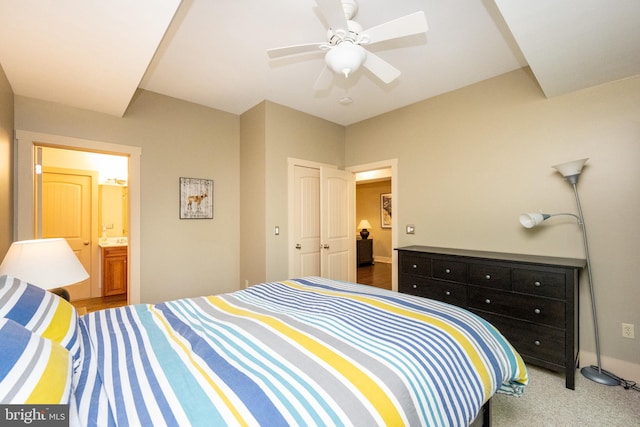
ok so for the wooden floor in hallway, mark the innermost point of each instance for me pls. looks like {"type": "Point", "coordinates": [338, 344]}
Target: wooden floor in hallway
{"type": "Point", "coordinates": [94, 304]}
{"type": "Point", "coordinates": [377, 274]}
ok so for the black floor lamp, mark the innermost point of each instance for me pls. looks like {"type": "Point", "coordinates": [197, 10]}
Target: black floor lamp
{"type": "Point", "coordinates": [571, 171]}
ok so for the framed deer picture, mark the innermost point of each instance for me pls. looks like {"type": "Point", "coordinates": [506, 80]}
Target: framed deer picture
{"type": "Point", "coordinates": [196, 198]}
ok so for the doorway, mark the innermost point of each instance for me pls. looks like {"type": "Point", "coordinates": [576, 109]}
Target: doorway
{"type": "Point", "coordinates": [373, 211]}
{"type": "Point", "coordinates": [370, 171]}
{"type": "Point", "coordinates": [81, 196]}
{"type": "Point", "coordinates": [25, 183]}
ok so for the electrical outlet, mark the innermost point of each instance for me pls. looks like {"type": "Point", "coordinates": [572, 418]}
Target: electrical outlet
{"type": "Point", "coordinates": [627, 330]}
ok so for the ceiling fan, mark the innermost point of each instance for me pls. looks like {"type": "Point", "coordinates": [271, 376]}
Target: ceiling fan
{"type": "Point", "coordinates": [345, 40]}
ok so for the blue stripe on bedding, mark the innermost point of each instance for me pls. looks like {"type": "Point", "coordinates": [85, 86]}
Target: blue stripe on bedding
{"type": "Point", "coordinates": [377, 324]}
{"type": "Point", "coordinates": [186, 388]}
{"type": "Point", "coordinates": [88, 383]}
{"type": "Point", "coordinates": [303, 352]}
{"type": "Point", "coordinates": [164, 405]}
{"type": "Point", "coordinates": [26, 306]}
{"type": "Point", "coordinates": [380, 330]}
{"type": "Point", "coordinates": [257, 401]}
{"type": "Point", "coordinates": [249, 392]}
{"type": "Point", "coordinates": [12, 350]}
{"type": "Point", "coordinates": [141, 411]}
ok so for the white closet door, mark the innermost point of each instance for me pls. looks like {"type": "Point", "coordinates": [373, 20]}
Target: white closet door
{"type": "Point", "coordinates": [305, 258]}
{"type": "Point", "coordinates": [337, 224]}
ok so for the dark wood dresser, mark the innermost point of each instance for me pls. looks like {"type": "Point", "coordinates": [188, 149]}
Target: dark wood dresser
{"type": "Point", "coordinates": [532, 300]}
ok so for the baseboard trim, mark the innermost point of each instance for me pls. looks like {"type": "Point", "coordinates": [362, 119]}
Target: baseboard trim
{"type": "Point", "coordinates": [382, 259]}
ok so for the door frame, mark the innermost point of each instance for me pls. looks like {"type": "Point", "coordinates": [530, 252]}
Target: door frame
{"type": "Point", "coordinates": [393, 165]}
{"type": "Point", "coordinates": [24, 159]}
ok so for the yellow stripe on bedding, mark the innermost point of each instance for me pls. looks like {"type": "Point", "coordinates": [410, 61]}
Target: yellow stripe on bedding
{"type": "Point", "coordinates": [53, 384]}
{"type": "Point", "coordinates": [367, 387]}
{"type": "Point", "coordinates": [187, 351]}
{"type": "Point", "coordinates": [471, 349]}
{"type": "Point", "coordinates": [60, 322]}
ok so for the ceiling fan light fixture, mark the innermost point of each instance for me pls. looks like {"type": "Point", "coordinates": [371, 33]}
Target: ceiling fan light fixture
{"type": "Point", "coordinates": [345, 58]}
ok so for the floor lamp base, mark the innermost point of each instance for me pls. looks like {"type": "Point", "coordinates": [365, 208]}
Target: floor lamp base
{"type": "Point", "coordinates": [599, 375]}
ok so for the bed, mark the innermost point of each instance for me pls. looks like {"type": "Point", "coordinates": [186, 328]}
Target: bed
{"type": "Point", "coordinates": [301, 352]}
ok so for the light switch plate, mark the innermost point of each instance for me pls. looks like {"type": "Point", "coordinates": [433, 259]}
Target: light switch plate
{"type": "Point", "coordinates": [411, 229]}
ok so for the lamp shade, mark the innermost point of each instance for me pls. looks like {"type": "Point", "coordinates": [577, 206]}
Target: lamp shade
{"type": "Point", "coordinates": [571, 168]}
{"type": "Point", "coordinates": [47, 263]}
{"type": "Point", "coordinates": [364, 224]}
{"type": "Point", "coordinates": [345, 58]}
{"type": "Point", "coordinates": [530, 220]}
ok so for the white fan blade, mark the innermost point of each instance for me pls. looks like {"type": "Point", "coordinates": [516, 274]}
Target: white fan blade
{"type": "Point", "coordinates": [408, 25]}
{"type": "Point", "coordinates": [279, 52]}
{"type": "Point", "coordinates": [334, 14]}
{"type": "Point", "coordinates": [324, 80]}
{"type": "Point", "coordinates": [381, 68]}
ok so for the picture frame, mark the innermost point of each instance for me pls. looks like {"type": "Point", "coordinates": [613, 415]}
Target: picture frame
{"type": "Point", "coordinates": [196, 198]}
{"type": "Point", "coordinates": [385, 210]}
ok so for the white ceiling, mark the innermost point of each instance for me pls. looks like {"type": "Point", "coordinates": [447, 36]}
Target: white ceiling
{"type": "Point", "coordinates": [94, 54]}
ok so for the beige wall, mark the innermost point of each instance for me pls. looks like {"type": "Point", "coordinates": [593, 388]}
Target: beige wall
{"type": "Point", "coordinates": [253, 260]}
{"type": "Point", "coordinates": [179, 258]}
{"type": "Point", "coordinates": [291, 133]}
{"type": "Point", "coordinates": [471, 160]}
{"type": "Point", "coordinates": [287, 134]}
{"type": "Point", "coordinates": [6, 164]}
{"type": "Point", "coordinates": [368, 207]}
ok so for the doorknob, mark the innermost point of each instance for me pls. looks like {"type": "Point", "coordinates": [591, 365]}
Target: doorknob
{"type": "Point", "coordinates": [324, 246]}
{"type": "Point", "coordinates": [298, 246]}
{"type": "Point", "coordinates": [86, 243]}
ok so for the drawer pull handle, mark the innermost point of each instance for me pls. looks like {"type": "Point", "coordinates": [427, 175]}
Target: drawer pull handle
{"type": "Point", "coordinates": [488, 277]}
{"type": "Point", "coordinates": [488, 301]}
{"type": "Point", "coordinates": [448, 293]}
{"type": "Point", "coordinates": [537, 284]}
{"type": "Point", "coordinates": [447, 270]}
{"type": "Point", "coordinates": [415, 286]}
{"type": "Point", "coordinates": [414, 266]}
{"type": "Point", "coordinates": [537, 311]}
{"type": "Point", "coordinates": [536, 342]}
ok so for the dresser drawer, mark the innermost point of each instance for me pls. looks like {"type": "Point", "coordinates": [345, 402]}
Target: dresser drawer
{"type": "Point", "coordinates": [452, 293]}
{"type": "Point", "coordinates": [415, 264]}
{"type": "Point", "coordinates": [490, 276]}
{"type": "Point", "coordinates": [529, 339]}
{"type": "Point", "coordinates": [454, 271]}
{"type": "Point", "coordinates": [538, 282]}
{"type": "Point", "coordinates": [535, 309]}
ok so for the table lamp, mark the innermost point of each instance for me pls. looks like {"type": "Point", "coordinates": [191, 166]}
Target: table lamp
{"type": "Point", "coordinates": [46, 263]}
{"type": "Point", "coordinates": [364, 233]}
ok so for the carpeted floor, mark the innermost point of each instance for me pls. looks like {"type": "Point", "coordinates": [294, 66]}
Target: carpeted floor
{"type": "Point", "coordinates": [546, 402]}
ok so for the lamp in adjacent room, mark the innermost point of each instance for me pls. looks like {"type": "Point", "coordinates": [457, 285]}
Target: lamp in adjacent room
{"type": "Point", "coordinates": [46, 263]}
{"type": "Point", "coordinates": [571, 171]}
{"type": "Point", "coordinates": [364, 225]}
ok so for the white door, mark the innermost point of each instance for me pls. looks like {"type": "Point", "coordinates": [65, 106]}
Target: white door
{"type": "Point", "coordinates": [337, 224]}
{"type": "Point", "coordinates": [322, 224]}
{"type": "Point", "coordinates": [305, 256]}
{"type": "Point", "coordinates": [66, 212]}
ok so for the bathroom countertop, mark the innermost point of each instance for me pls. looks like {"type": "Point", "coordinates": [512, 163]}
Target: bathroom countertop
{"type": "Point", "coordinates": [111, 242]}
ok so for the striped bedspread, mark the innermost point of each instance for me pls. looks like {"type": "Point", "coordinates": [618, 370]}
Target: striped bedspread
{"type": "Point", "coordinates": [295, 353]}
